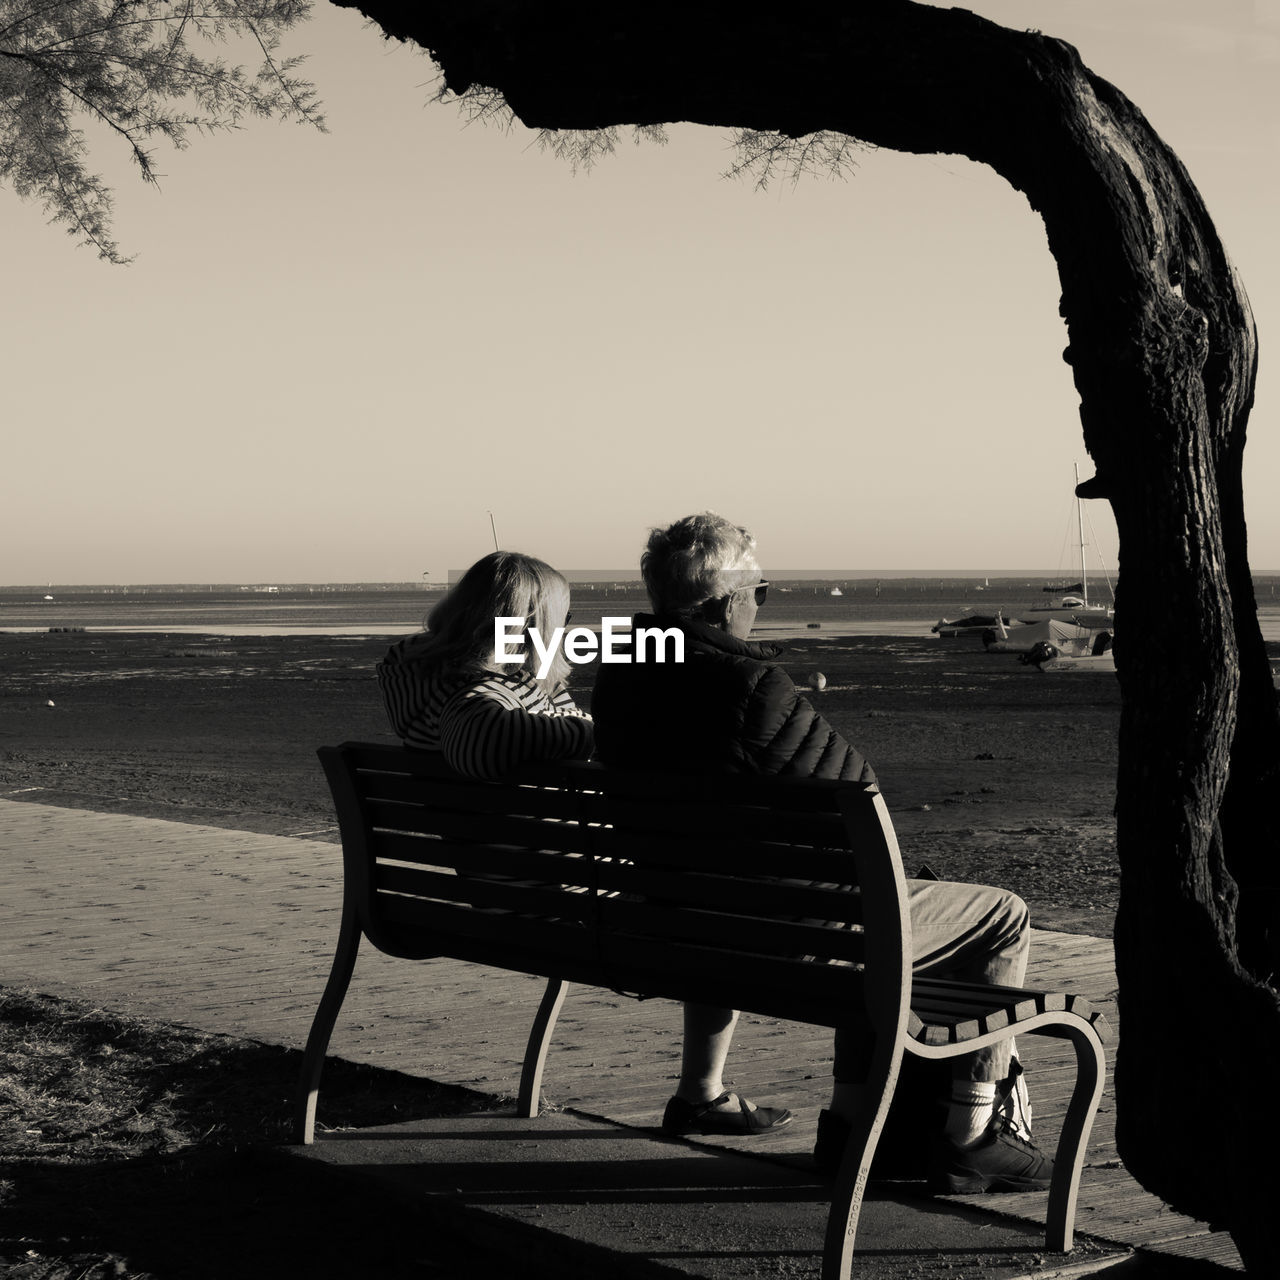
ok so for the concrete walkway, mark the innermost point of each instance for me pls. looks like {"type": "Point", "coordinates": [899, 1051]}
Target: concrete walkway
{"type": "Point", "coordinates": [233, 932]}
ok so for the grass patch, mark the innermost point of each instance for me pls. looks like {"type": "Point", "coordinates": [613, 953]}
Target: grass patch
{"type": "Point", "coordinates": [127, 1150]}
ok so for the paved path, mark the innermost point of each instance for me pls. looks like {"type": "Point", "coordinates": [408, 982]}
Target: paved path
{"type": "Point", "coordinates": [233, 932]}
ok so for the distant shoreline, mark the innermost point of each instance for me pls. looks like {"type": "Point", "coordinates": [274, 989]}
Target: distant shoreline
{"type": "Point", "coordinates": [952, 578]}
{"type": "Point", "coordinates": [888, 628]}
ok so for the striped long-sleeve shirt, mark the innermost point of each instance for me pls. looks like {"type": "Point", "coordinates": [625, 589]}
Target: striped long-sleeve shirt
{"type": "Point", "coordinates": [485, 727]}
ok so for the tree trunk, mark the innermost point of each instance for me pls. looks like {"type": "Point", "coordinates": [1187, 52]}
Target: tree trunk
{"type": "Point", "coordinates": [1163, 350]}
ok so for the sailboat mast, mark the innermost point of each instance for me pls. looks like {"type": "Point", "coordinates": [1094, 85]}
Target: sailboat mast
{"type": "Point", "coordinates": [1084, 579]}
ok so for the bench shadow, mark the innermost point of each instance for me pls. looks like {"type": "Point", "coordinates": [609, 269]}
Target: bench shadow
{"type": "Point", "coordinates": [211, 1214]}
{"type": "Point", "coordinates": [658, 1201]}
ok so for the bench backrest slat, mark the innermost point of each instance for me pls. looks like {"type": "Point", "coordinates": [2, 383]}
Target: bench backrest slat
{"type": "Point", "coordinates": [544, 864]}
{"type": "Point", "coordinates": [624, 825]}
{"type": "Point", "coordinates": [539, 936]}
{"type": "Point", "coordinates": [450, 824]}
{"type": "Point", "coordinates": [799, 860]}
{"type": "Point", "coordinates": [468, 893]}
{"type": "Point", "coordinates": [788, 938]}
{"type": "Point", "coordinates": [781, 987]}
{"type": "Point", "coordinates": [462, 795]}
{"type": "Point", "coordinates": [723, 822]}
{"type": "Point", "coordinates": [756, 896]}
{"type": "Point", "coordinates": [706, 853]}
{"type": "Point", "coordinates": [711, 916]}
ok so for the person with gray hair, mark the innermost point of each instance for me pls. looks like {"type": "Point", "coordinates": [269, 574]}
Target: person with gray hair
{"type": "Point", "coordinates": [702, 576]}
{"type": "Point", "coordinates": [700, 558]}
{"type": "Point", "coordinates": [728, 707]}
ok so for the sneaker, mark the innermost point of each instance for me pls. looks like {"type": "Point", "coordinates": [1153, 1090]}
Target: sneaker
{"type": "Point", "coordinates": [1000, 1161]}
{"type": "Point", "coordinates": [683, 1117]}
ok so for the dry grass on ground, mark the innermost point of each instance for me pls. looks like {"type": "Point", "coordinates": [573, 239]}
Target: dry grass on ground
{"type": "Point", "coordinates": [131, 1149]}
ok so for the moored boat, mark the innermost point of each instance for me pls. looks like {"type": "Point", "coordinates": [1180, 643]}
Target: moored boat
{"type": "Point", "coordinates": [1073, 603]}
{"type": "Point", "coordinates": [1071, 638]}
{"type": "Point", "coordinates": [974, 625]}
{"type": "Point", "coordinates": [1098, 663]}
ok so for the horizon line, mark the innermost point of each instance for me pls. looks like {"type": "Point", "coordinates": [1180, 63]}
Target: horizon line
{"type": "Point", "coordinates": [584, 575]}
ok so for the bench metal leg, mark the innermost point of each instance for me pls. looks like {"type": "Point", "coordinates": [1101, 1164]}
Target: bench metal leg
{"type": "Point", "coordinates": [855, 1168]}
{"type": "Point", "coordinates": [344, 963]}
{"type": "Point", "coordinates": [1065, 1187]}
{"type": "Point", "coordinates": [535, 1056]}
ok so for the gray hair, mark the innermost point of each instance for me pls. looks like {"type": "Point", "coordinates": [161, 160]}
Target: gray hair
{"type": "Point", "coordinates": [699, 558]}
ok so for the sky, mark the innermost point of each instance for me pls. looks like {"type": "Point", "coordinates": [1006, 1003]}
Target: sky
{"type": "Point", "coordinates": [350, 356]}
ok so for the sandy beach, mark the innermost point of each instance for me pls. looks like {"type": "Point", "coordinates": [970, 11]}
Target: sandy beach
{"type": "Point", "coordinates": [993, 771]}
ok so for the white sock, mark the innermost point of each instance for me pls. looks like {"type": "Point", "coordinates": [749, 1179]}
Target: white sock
{"type": "Point", "coordinates": [972, 1105]}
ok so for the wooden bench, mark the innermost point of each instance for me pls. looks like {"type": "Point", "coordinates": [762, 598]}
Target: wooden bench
{"type": "Point", "coordinates": [678, 895]}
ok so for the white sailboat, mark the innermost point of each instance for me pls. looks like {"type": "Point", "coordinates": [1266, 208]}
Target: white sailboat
{"type": "Point", "coordinates": [1070, 607]}
{"type": "Point", "coordinates": [1072, 634]}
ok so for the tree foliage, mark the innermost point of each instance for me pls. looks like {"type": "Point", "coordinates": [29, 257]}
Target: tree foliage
{"type": "Point", "coordinates": [145, 70]}
{"type": "Point", "coordinates": [766, 154]}
{"type": "Point", "coordinates": [762, 155]}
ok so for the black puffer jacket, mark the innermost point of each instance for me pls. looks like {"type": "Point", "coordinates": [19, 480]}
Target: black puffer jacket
{"type": "Point", "coordinates": [725, 709]}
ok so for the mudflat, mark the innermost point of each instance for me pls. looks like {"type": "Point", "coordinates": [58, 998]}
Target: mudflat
{"type": "Point", "coordinates": [994, 771]}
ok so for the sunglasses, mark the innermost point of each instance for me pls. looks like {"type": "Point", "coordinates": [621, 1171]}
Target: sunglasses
{"type": "Point", "coordinates": [761, 589]}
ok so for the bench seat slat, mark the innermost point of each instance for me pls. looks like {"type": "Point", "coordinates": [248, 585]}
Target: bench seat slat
{"type": "Point", "coordinates": [930, 1033]}
{"type": "Point", "coordinates": [952, 1010]}
{"type": "Point", "coordinates": [944, 1012]}
{"type": "Point", "coordinates": [1018, 1002]}
{"type": "Point", "coordinates": [965, 1023]}
{"type": "Point", "coordinates": [1021, 1002]}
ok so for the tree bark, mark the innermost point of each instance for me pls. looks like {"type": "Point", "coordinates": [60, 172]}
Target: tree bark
{"type": "Point", "coordinates": [1163, 352]}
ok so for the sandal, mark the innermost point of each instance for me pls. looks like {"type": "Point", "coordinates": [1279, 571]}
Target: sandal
{"type": "Point", "coordinates": [683, 1117]}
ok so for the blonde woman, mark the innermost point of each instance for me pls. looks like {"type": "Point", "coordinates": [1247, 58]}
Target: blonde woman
{"type": "Point", "coordinates": [445, 690]}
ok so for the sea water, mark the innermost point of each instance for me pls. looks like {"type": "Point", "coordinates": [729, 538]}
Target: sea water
{"type": "Point", "coordinates": [836, 606]}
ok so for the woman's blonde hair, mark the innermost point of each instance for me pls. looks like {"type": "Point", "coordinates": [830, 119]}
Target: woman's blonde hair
{"type": "Point", "coordinates": [699, 558]}
{"type": "Point", "coordinates": [504, 584]}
